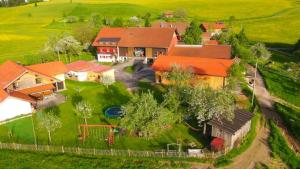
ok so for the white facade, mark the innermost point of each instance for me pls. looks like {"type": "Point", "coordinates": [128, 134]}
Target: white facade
{"type": "Point", "coordinates": [12, 107]}
{"type": "Point", "coordinates": [80, 76]}
{"type": "Point", "coordinates": [110, 58]}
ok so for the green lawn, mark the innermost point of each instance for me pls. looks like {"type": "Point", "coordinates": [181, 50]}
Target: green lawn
{"type": "Point", "coordinates": [101, 98]}
{"type": "Point", "coordinates": [129, 69]}
{"type": "Point", "coordinates": [30, 160]}
{"type": "Point", "coordinates": [24, 29]}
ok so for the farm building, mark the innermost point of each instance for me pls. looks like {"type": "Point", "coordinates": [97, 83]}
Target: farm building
{"type": "Point", "coordinates": [24, 87]}
{"type": "Point", "coordinates": [118, 44]}
{"type": "Point", "coordinates": [180, 27]}
{"type": "Point", "coordinates": [87, 71]}
{"type": "Point", "coordinates": [228, 134]}
{"type": "Point", "coordinates": [210, 63]}
{"type": "Point", "coordinates": [210, 29]}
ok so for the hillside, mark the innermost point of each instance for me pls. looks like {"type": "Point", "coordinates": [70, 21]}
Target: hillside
{"type": "Point", "coordinates": [24, 29]}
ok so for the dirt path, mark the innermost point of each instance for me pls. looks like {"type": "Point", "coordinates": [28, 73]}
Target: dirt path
{"type": "Point", "coordinates": [267, 107]}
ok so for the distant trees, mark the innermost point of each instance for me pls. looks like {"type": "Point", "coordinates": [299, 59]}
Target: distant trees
{"type": "Point", "coordinates": [50, 122]}
{"type": "Point", "coordinates": [193, 33]}
{"type": "Point", "coordinates": [84, 34]}
{"type": "Point", "coordinates": [62, 44]}
{"type": "Point", "coordinates": [180, 13]}
{"type": "Point", "coordinates": [147, 18]}
{"type": "Point", "coordinates": [118, 22]}
{"type": "Point", "coordinates": [144, 115]}
{"type": "Point", "coordinates": [10, 3]}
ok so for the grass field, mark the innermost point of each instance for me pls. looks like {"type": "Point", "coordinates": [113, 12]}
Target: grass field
{"type": "Point", "coordinates": [24, 29]}
{"type": "Point", "coordinates": [29, 160]}
{"type": "Point", "coordinates": [101, 98]}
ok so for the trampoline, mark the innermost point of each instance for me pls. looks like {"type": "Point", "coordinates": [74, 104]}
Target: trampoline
{"type": "Point", "coordinates": [113, 112]}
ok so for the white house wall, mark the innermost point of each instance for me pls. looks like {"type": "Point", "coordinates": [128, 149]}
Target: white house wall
{"type": "Point", "coordinates": [60, 77]}
{"type": "Point", "coordinates": [12, 107]}
{"type": "Point", "coordinates": [81, 76]}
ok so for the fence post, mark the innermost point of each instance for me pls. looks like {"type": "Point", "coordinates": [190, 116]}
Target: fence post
{"type": "Point", "coordinates": [14, 145]}
{"type": "Point", "coordinates": [48, 148]}
{"type": "Point", "coordinates": [111, 152]}
{"type": "Point", "coordinates": [78, 150]}
{"type": "Point", "coordinates": [128, 152]}
{"type": "Point", "coordinates": [62, 149]}
{"type": "Point", "coordinates": [0, 145]}
{"type": "Point", "coordinates": [94, 151]}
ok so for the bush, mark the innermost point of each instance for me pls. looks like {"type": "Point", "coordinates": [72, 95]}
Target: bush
{"type": "Point", "coordinates": [280, 147]}
{"type": "Point", "coordinates": [71, 19]}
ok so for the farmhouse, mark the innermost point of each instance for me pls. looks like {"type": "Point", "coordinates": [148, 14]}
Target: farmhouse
{"type": "Point", "coordinates": [87, 71]}
{"type": "Point", "coordinates": [210, 63]}
{"type": "Point", "coordinates": [228, 134]}
{"type": "Point", "coordinates": [180, 27]}
{"type": "Point", "coordinates": [23, 87]}
{"type": "Point", "coordinates": [210, 29]}
{"type": "Point", "coordinates": [118, 44]}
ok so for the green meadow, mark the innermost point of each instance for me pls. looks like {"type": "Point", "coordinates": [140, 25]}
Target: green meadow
{"type": "Point", "coordinates": [24, 29]}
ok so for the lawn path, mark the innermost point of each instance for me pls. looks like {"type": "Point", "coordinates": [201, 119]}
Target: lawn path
{"type": "Point", "coordinates": [266, 103]}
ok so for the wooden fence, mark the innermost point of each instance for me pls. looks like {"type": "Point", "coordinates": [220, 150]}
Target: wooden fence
{"type": "Point", "coordinates": [101, 152]}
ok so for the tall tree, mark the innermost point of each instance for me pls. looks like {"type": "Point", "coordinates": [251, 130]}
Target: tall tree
{"type": "Point", "coordinates": [118, 22]}
{"type": "Point", "coordinates": [50, 122]}
{"type": "Point", "coordinates": [179, 77]}
{"type": "Point", "coordinates": [84, 110]}
{"type": "Point", "coordinates": [144, 115]}
{"type": "Point", "coordinates": [84, 34]}
{"type": "Point", "coordinates": [193, 33]}
{"type": "Point", "coordinates": [69, 46]}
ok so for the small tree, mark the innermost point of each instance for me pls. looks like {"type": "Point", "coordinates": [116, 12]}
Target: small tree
{"type": "Point", "coordinates": [193, 33]}
{"type": "Point", "coordinates": [107, 80]}
{"type": "Point", "coordinates": [147, 22]}
{"type": "Point", "coordinates": [84, 34]}
{"type": "Point", "coordinates": [84, 110]}
{"type": "Point", "coordinates": [206, 104]}
{"type": "Point", "coordinates": [144, 115]}
{"type": "Point", "coordinates": [50, 122]}
{"type": "Point", "coordinates": [69, 46]}
{"type": "Point", "coordinates": [259, 50]}
{"type": "Point", "coordinates": [179, 77]}
{"type": "Point", "coordinates": [118, 22]}
{"type": "Point", "coordinates": [95, 20]}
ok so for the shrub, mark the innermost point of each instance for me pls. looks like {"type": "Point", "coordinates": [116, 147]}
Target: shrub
{"type": "Point", "coordinates": [71, 19]}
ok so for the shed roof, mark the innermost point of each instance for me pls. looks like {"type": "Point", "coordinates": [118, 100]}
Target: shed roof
{"type": "Point", "coordinates": [84, 66]}
{"type": "Point", "coordinates": [241, 117]}
{"type": "Point", "coordinates": [138, 37]}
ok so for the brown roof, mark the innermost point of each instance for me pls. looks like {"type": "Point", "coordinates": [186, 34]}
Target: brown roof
{"type": "Point", "coordinates": [137, 37]}
{"type": "Point", "coordinates": [3, 95]}
{"type": "Point", "coordinates": [241, 117]}
{"type": "Point", "coordinates": [49, 69]}
{"type": "Point", "coordinates": [217, 25]}
{"type": "Point", "coordinates": [205, 51]}
{"type": "Point", "coordinates": [9, 72]}
{"type": "Point", "coordinates": [37, 89]}
{"type": "Point", "coordinates": [84, 66]}
{"type": "Point", "coordinates": [179, 26]}
{"type": "Point", "coordinates": [22, 96]}
{"type": "Point", "coordinates": [200, 66]}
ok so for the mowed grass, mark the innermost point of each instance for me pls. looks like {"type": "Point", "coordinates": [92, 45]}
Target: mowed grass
{"type": "Point", "coordinates": [100, 98]}
{"type": "Point", "coordinates": [24, 29]}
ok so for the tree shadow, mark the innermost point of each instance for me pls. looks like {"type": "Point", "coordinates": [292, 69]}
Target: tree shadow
{"type": "Point", "coordinates": [76, 98]}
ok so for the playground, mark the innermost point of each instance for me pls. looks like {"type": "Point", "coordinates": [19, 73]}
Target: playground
{"type": "Point", "coordinates": [102, 131]}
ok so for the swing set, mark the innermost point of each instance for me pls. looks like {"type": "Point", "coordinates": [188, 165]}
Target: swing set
{"type": "Point", "coordinates": [85, 131]}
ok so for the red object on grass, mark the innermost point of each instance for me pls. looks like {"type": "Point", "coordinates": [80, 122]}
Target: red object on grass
{"type": "Point", "coordinates": [217, 143]}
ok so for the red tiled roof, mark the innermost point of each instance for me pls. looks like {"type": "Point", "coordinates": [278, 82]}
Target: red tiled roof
{"type": "Point", "coordinates": [3, 95]}
{"type": "Point", "coordinates": [10, 71]}
{"type": "Point", "coordinates": [37, 89]}
{"type": "Point", "coordinates": [138, 37]}
{"type": "Point", "coordinates": [22, 96]}
{"type": "Point", "coordinates": [212, 42]}
{"type": "Point", "coordinates": [217, 25]}
{"type": "Point", "coordinates": [205, 51]}
{"type": "Point", "coordinates": [49, 69]}
{"type": "Point", "coordinates": [84, 66]}
{"type": "Point", "coordinates": [179, 26]}
{"type": "Point", "coordinates": [200, 66]}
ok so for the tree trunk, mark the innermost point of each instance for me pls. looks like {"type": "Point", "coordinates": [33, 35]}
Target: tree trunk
{"type": "Point", "coordinates": [58, 55]}
{"type": "Point", "coordinates": [49, 137]}
{"type": "Point", "coordinates": [87, 129]}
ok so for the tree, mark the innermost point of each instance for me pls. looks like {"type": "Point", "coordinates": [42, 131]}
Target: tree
{"type": "Point", "coordinates": [193, 33]}
{"type": "Point", "coordinates": [147, 22]}
{"type": "Point", "coordinates": [95, 20]}
{"type": "Point", "coordinates": [179, 77]}
{"type": "Point", "coordinates": [50, 122]}
{"type": "Point", "coordinates": [51, 46]}
{"type": "Point", "coordinates": [180, 13]}
{"type": "Point", "coordinates": [84, 110]}
{"type": "Point", "coordinates": [107, 80]}
{"type": "Point", "coordinates": [259, 50]}
{"type": "Point", "coordinates": [84, 34]}
{"type": "Point", "coordinates": [118, 22]}
{"type": "Point", "coordinates": [206, 104]}
{"type": "Point", "coordinates": [144, 115]}
{"type": "Point", "coordinates": [242, 38]}
{"type": "Point", "coordinates": [69, 46]}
